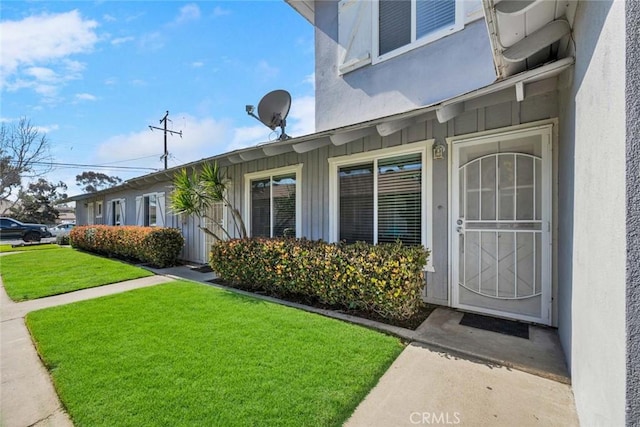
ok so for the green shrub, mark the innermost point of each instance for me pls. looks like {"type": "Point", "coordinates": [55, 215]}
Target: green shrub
{"type": "Point", "coordinates": [386, 279]}
{"type": "Point", "coordinates": [155, 245]}
{"type": "Point", "coordinates": [62, 239]}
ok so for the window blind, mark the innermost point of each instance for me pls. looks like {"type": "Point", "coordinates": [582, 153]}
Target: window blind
{"type": "Point", "coordinates": [356, 203]}
{"type": "Point", "coordinates": [400, 199]}
{"type": "Point", "coordinates": [394, 18]}
{"type": "Point", "coordinates": [432, 15]}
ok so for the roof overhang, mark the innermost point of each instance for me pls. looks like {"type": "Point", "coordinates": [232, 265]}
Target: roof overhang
{"type": "Point", "coordinates": [306, 8]}
{"type": "Point", "coordinates": [527, 33]}
{"type": "Point", "coordinates": [515, 88]}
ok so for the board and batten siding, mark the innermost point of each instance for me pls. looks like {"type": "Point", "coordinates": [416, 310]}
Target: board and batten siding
{"type": "Point", "coordinates": [500, 110]}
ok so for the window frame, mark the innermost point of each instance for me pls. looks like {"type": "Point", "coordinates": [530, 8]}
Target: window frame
{"type": "Point", "coordinates": [112, 218]}
{"type": "Point", "coordinates": [269, 174]}
{"type": "Point", "coordinates": [414, 43]}
{"type": "Point", "coordinates": [145, 217]}
{"type": "Point", "coordinates": [90, 213]}
{"type": "Point", "coordinates": [335, 163]}
{"type": "Point", "coordinates": [98, 209]}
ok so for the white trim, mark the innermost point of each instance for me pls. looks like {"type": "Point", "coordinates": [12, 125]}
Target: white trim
{"type": "Point", "coordinates": [101, 205]}
{"type": "Point", "coordinates": [91, 213]}
{"type": "Point", "coordinates": [422, 147]}
{"type": "Point", "coordinates": [122, 206]}
{"type": "Point", "coordinates": [430, 38]}
{"type": "Point", "coordinates": [270, 173]}
{"type": "Point", "coordinates": [546, 129]}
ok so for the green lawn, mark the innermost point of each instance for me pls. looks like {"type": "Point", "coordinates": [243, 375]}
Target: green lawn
{"type": "Point", "coordinates": [192, 355]}
{"type": "Point", "coordinates": [32, 247]}
{"type": "Point", "coordinates": [39, 273]}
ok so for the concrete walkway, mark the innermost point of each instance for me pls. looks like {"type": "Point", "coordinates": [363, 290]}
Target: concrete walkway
{"type": "Point", "coordinates": [449, 374]}
{"type": "Point", "coordinates": [427, 387]}
{"type": "Point", "coordinates": [27, 394]}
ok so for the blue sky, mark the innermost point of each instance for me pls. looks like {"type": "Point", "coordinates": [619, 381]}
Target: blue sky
{"type": "Point", "coordinates": [94, 75]}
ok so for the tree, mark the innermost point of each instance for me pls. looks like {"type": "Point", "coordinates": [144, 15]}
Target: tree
{"type": "Point", "coordinates": [23, 148]}
{"type": "Point", "coordinates": [37, 202]}
{"type": "Point", "coordinates": [90, 182]}
{"type": "Point", "coordinates": [194, 194]}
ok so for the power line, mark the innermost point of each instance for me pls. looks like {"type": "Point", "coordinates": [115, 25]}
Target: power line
{"type": "Point", "coordinates": [79, 165]}
{"type": "Point", "coordinates": [127, 160]}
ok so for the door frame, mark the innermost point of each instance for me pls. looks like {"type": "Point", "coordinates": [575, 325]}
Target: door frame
{"type": "Point", "coordinates": [546, 129]}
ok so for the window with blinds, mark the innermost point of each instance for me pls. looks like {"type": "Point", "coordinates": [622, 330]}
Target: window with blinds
{"type": "Point", "coordinates": [273, 206]}
{"type": "Point", "coordinates": [356, 203]}
{"type": "Point", "coordinates": [394, 186]}
{"type": "Point", "coordinates": [261, 208]}
{"type": "Point", "coordinates": [400, 200]}
{"type": "Point", "coordinates": [403, 22]}
{"type": "Point", "coordinates": [284, 206]}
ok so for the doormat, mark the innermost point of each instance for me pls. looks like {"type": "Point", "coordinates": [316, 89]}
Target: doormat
{"type": "Point", "coordinates": [502, 326]}
{"type": "Point", "coordinates": [203, 269]}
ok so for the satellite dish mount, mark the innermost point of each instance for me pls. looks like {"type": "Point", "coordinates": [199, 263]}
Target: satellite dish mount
{"type": "Point", "coordinates": [273, 110]}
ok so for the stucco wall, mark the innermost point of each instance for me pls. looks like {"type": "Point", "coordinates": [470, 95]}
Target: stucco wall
{"type": "Point", "coordinates": [447, 67]}
{"type": "Point", "coordinates": [633, 213]}
{"type": "Point", "coordinates": [592, 193]}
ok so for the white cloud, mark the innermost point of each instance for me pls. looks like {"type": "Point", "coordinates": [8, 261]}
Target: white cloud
{"type": "Point", "coordinates": [266, 71]}
{"type": "Point", "coordinates": [43, 39]}
{"type": "Point", "coordinates": [219, 11]}
{"type": "Point", "coordinates": [109, 18]}
{"type": "Point", "coordinates": [201, 137]}
{"type": "Point", "coordinates": [302, 116]}
{"type": "Point", "coordinates": [120, 40]}
{"type": "Point", "coordinates": [42, 74]}
{"type": "Point", "coordinates": [197, 64]}
{"type": "Point", "coordinates": [189, 12]}
{"type": "Point", "coordinates": [311, 79]}
{"type": "Point", "coordinates": [111, 81]}
{"type": "Point", "coordinates": [151, 41]}
{"type": "Point", "coordinates": [46, 129]}
{"type": "Point", "coordinates": [86, 97]}
{"type": "Point", "coordinates": [249, 136]}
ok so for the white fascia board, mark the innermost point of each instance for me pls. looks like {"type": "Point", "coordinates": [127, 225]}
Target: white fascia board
{"type": "Point", "coordinates": [305, 8]}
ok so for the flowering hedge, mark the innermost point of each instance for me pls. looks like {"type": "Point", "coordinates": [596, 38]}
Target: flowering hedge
{"type": "Point", "coordinates": [386, 279]}
{"type": "Point", "coordinates": [155, 245]}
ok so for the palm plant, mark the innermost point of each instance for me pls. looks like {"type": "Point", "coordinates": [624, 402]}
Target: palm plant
{"type": "Point", "coordinates": [194, 193]}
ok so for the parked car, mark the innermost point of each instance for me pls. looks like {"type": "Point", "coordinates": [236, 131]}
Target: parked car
{"type": "Point", "coordinates": [61, 229]}
{"type": "Point", "coordinates": [11, 229]}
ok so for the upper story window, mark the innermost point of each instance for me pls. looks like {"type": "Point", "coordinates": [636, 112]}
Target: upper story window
{"type": "Point", "coordinates": [403, 22]}
{"type": "Point", "coordinates": [373, 31]}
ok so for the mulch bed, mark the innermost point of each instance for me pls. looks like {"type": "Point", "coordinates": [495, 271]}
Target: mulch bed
{"type": "Point", "coordinates": [412, 323]}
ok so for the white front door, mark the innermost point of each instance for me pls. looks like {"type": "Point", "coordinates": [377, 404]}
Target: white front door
{"type": "Point", "coordinates": [501, 224]}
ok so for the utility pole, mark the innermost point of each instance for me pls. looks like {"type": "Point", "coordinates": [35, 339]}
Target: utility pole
{"type": "Point", "coordinates": [164, 120]}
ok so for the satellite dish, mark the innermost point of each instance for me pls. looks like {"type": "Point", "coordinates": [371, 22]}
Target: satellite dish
{"type": "Point", "coordinates": [273, 110]}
